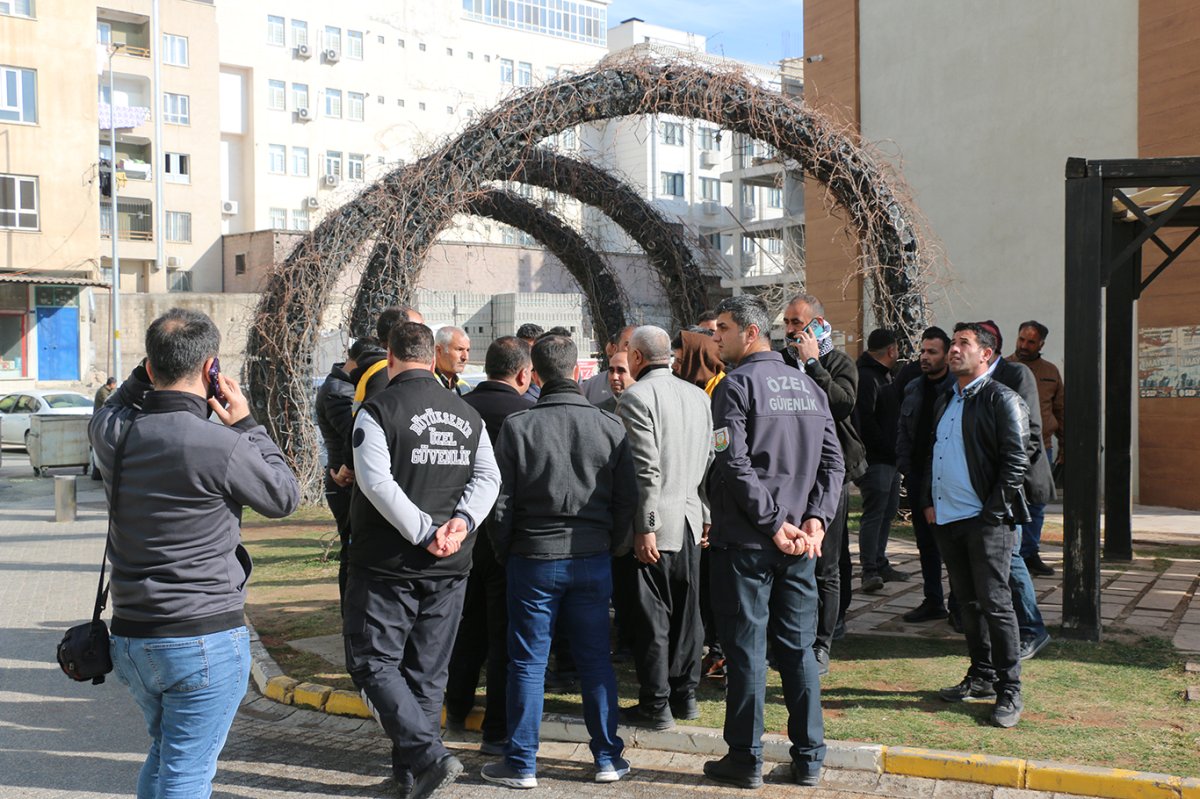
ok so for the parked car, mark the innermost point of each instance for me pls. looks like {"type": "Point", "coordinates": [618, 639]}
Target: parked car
{"type": "Point", "coordinates": [16, 408]}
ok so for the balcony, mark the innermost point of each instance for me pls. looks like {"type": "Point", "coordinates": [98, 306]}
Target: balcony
{"type": "Point", "coordinates": [135, 220]}
{"type": "Point", "coordinates": [129, 103]}
{"type": "Point", "coordinates": [130, 32]}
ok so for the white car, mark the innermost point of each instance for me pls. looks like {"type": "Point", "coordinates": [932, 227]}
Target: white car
{"type": "Point", "coordinates": [16, 408]}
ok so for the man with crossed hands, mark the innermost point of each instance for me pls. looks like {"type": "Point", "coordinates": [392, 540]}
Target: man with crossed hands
{"type": "Point", "coordinates": [774, 486]}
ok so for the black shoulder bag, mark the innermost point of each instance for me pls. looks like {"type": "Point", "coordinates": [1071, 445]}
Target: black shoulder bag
{"type": "Point", "coordinates": [83, 653]}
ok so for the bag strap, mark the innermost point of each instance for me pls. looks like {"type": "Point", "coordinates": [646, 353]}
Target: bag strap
{"type": "Point", "coordinates": [102, 587]}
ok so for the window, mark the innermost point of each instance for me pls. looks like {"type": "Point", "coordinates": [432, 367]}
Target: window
{"type": "Point", "coordinates": [712, 240]}
{"type": "Point", "coordinates": [276, 158]}
{"type": "Point", "coordinates": [449, 109]}
{"type": "Point", "coordinates": [177, 168]}
{"type": "Point", "coordinates": [381, 39]}
{"type": "Point", "coordinates": [551, 73]}
{"type": "Point", "coordinates": [710, 189]}
{"type": "Point", "coordinates": [299, 95]}
{"type": "Point", "coordinates": [506, 70]}
{"type": "Point", "coordinates": [672, 183]}
{"type": "Point", "coordinates": [354, 106]}
{"type": "Point", "coordinates": [774, 246]}
{"type": "Point", "coordinates": [300, 162]}
{"type": "Point", "coordinates": [299, 32]}
{"type": "Point", "coordinates": [333, 39]}
{"type": "Point", "coordinates": [278, 218]}
{"type": "Point", "coordinates": [275, 31]}
{"type": "Point", "coordinates": [775, 198]}
{"type": "Point", "coordinates": [671, 133]}
{"type": "Point", "coordinates": [450, 51]}
{"type": "Point", "coordinates": [178, 226]}
{"type": "Point", "coordinates": [710, 139]}
{"type": "Point", "coordinates": [18, 95]}
{"type": "Point", "coordinates": [581, 22]}
{"type": "Point", "coordinates": [524, 74]}
{"type": "Point", "coordinates": [175, 50]}
{"type": "Point", "coordinates": [103, 32]}
{"type": "Point", "coordinates": [333, 103]}
{"type": "Point", "coordinates": [421, 47]}
{"type": "Point", "coordinates": [239, 263]}
{"type": "Point", "coordinates": [400, 102]}
{"type": "Point", "coordinates": [747, 194]}
{"type": "Point", "coordinates": [354, 45]}
{"type": "Point", "coordinates": [380, 99]}
{"type": "Point", "coordinates": [399, 42]}
{"type": "Point", "coordinates": [470, 56]}
{"type": "Point", "coordinates": [421, 106]}
{"type": "Point", "coordinates": [568, 139]}
{"type": "Point", "coordinates": [18, 202]}
{"type": "Point", "coordinates": [333, 163]}
{"type": "Point", "coordinates": [355, 166]}
{"type": "Point", "coordinates": [299, 219]}
{"type": "Point", "coordinates": [16, 8]}
{"type": "Point", "coordinates": [277, 95]}
{"type": "Point", "coordinates": [176, 109]}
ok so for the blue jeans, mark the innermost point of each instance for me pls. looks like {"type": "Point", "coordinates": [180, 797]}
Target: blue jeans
{"type": "Point", "coordinates": [757, 593]}
{"type": "Point", "coordinates": [1029, 618]}
{"type": "Point", "coordinates": [189, 690]}
{"type": "Point", "coordinates": [1031, 533]}
{"type": "Point", "coordinates": [538, 590]}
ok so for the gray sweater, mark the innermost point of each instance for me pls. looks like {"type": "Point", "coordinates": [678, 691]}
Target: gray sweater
{"type": "Point", "coordinates": [178, 567]}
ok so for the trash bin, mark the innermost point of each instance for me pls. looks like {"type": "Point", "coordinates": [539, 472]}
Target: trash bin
{"type": "Point", "coordinates": [58, 441]}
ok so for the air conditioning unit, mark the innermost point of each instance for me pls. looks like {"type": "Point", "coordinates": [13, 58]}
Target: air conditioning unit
{"type": "Point", "coordinates": [312, 202]}
{"type": "Point", "coordinates": [332, 56]}
{"type": "Point", "coordinates": [172, 260]}
{"type": "Point", "coordinates": [331, 180]}
{"type": "Point", "coordinates": [711, 208]}
{"type": "Point", "coordinates": [303, 115]}
{"type": "Point", "coordinates": [749, 212]}
{"type": "Point", "coordinates": [708, 159]}
{"type": "Point", "coordinates": [303, 51]}
{"type": "Point", "coordinates": [229, 207]}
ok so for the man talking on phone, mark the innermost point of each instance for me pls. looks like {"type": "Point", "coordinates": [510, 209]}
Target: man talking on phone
{"type": "Point", "coordinates": [176, 486]}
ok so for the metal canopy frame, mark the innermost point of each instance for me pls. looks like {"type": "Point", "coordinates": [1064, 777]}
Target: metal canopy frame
{"type": "Point", "coordinates": [1106, 233]}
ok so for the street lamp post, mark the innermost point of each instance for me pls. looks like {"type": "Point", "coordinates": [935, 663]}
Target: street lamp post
{"type": "Point", "coordinates": [113, 227]}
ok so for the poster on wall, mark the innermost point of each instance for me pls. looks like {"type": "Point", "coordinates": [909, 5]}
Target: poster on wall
{"type": "Point", "coordinates": [1158, 361]}
{"type": "Point", "coordinates": [1187, 382]}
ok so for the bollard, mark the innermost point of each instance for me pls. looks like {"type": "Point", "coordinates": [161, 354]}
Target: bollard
{"type": "Point", "coordinates": [64, 497]}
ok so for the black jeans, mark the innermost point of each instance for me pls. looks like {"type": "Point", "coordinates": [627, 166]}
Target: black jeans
{"type": "Point", "coordinates": [829, 574]}
{"type": "Point", "coordinates": [931, 558]}
{"type": "Point", "coordinates": [399, 634]}
{"type": "Point", "coordinates": [338, 499]}
{"type": "Point", "coordinates": [759, 593]}
{"type": "Point", "coordinates": [666, 626]}
{"type": "Point", "coordinates": [978, 558]}
{"type": "Point", "coordinates": [482, 638]}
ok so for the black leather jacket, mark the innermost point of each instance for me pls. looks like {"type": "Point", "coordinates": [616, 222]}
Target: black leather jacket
{"type": "Point", "coordinates": [910, 454]}
{"type": "Point", "coordinates": [996, 437]}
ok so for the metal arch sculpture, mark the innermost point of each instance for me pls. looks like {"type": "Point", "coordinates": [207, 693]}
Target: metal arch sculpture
{"type": "Point", "coordinates": [577, 256]}
{"type": "Point", "coordinates": [670, 256]}
{"type": "Point", "coordinates": [412, 205]}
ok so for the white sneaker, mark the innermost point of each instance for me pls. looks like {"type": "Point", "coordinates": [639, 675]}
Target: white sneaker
{"type": "Point", "coordinates": [614, 771]}
{"type": "Point", "coordinates": [501, 774]}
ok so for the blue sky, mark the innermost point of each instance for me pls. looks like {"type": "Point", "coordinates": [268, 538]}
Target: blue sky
{"type": "Point", "coordinates": [751, 30]}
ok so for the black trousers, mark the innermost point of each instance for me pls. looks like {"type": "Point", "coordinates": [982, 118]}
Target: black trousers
{"type": "Point", "coordinates": [931, 558]}
{"type": "Point", "coordinates": [482, 638]}
{"type": "Point", "coordinates": [666, 626]}
{"type": "Point", "coordinates": [398, 635]}
{"type": "Point", "coordinates": [978, 558]}
{"type": "Point", "coordinates": [829, 574]}
{"type": "Point", "coordinates": [338, 499]}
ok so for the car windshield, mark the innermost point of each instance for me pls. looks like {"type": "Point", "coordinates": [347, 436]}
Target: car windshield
{"type": "Point", "coordinates": [67, 401]}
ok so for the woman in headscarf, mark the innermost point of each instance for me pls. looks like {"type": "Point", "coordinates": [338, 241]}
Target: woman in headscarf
{"type": "Point", "coordinates": [698, 359]}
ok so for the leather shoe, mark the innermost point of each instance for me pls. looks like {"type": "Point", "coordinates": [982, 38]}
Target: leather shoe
{"type": "Point", "coordinates": [871, 583]}
{"type": "Point", "coordinates": [805, 778]}
{"type": "Point", "coordinates": [889, 574]}
{"type": "Point", "coordinates": [730, 772]}
{"type": "Point", "coordinates": [435, 777]}
{"type": "Point", "coordinates": [637, 716]}
{"type": "Point", "coordinates": [929, 610]}
{"type": "Point", "coordinates": [1037, 567]}
{"type": "Point", "coordinates": [969, 688]}
{"type": "Point", "coordinates": [685, 708]}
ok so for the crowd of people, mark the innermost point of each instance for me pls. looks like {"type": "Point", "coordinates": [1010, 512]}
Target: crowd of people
{"type": "Point", "coordinates": [694, 496]}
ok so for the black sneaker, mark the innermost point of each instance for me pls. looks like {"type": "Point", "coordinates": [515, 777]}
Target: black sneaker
{"type": "Point", "coordinates": [956, 622]}
{"type": "Point", "coordinates": [1037, 567]}
{"type": "Point", "coordinates": [871, 583]}
{"type": "Point", "coordinates": [730, 772]}
{"type": "Point", "coordinates": [637, 716]}
{"type": "Point", "coordinates": [1034, 645]}
{"type": "Point", "coordinates": [1008, 708]}
{"type": "Point", "coordinates": [435, 777]}
{"type": "Point", "coordinates": [891, 575]}
{"type": "Point", "coordinates": [929, 610]}
{"type": "Point", "coordinates": [685, 708]}
{"type": "Point", "coordinates": [969, 688]}
{"type": "Point", "coordinates": [822, 655]}
{"type": "Point", "coordinates": [804, 777]}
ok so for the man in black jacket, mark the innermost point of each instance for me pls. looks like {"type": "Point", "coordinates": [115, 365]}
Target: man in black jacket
{"type": "Point", "coordinates": [425, 479]}
{"type": "Point", "coordinates": [913, 437]}
{"type": "Point", "coordinates": [566, 503]}
{"type": "Point", "coordinates": [876, 414]}
{"type": "Point", "coordinates": [812, 351]}
{"type": "Point", "coordinates": [482, 632]}
{"type": "Point", "coordinates": [973, 498]}
{"type": "Point", "coordinates": [773, 488]}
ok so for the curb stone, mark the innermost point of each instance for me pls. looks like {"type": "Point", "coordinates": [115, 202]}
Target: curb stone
{"type": "Point", "coordinates": [1003, 772]}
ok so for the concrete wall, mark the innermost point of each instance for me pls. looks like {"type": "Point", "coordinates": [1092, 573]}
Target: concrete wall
{"type": "Point", "coordinates": [981, 103]}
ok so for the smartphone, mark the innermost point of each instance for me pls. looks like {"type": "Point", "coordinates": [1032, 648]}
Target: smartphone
{"type": "Point", "coordinates": [816, 327]}
{"type": "Point", "coordinates": [214, 384]}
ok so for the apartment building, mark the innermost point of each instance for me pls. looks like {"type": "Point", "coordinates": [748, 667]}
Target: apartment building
{"type": "Point", "coordinates": [59, 111]}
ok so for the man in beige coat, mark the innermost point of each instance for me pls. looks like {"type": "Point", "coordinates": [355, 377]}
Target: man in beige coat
{"type": "Point", "coordinates": [669, 424]}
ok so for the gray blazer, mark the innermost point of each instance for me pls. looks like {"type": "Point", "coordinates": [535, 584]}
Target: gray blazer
{"type": "Point", "coordinates": [669, 424]}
